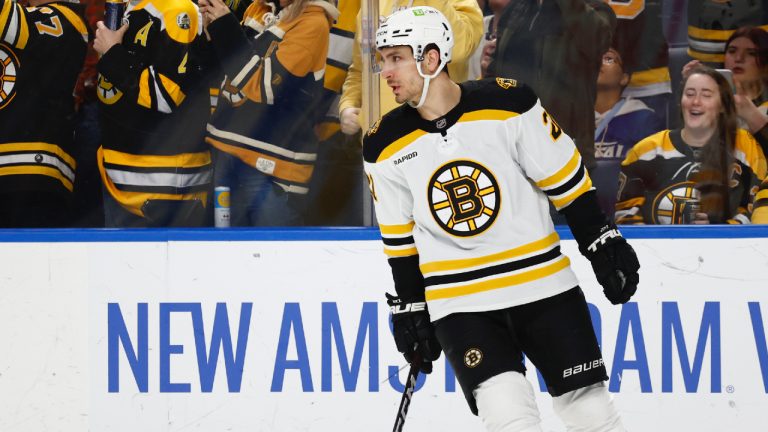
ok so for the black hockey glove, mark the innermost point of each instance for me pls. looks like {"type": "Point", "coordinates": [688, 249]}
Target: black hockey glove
{"type": "Point", "coordinates": [614, 262]}
{"type": "Point", "coordinates": [413, 331]}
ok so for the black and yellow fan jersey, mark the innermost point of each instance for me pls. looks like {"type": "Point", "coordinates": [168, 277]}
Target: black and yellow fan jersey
{"type": "Point", "coordinates": [760, 209]}
{"type": "Point", "coordinates": [463, 201]}
{"type": "Point", "coordinates": [154, 105]}
{"type": "Point", "coordinates": [659, 179]}
{"type": "Point", "coordinates": [712, 22]}
{"type": "Point", "coordinates": [41, 53]}
{"type": "Point", "coordinates": [268, 105]}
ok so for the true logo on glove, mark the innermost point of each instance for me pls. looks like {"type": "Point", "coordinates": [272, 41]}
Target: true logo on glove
{"type": "Point", "coordinates": [399, 308]}
{"type": "Point", "coordinates": [613, 233]}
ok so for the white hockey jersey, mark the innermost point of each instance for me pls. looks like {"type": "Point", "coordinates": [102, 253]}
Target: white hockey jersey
{"type": "Point", "coordinates": [464, 198]}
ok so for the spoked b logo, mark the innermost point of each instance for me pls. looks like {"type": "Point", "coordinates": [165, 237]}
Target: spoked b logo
{"type": "Point", "coordinates": [464, 198]}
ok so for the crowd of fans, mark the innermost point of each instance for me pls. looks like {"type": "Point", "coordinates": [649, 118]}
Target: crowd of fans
{"type": "Point", "coordinates": [264, 103]}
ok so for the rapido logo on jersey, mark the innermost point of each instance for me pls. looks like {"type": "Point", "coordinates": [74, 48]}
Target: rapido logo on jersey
{"type": "Point", "coordinates": [464, 198]}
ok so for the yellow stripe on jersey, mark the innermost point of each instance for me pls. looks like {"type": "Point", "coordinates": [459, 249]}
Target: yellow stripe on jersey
{"type": "Point", "coordinates": [389, 230]}
{"type": "Point", "coordinates": [650, 76]}
{"type": "Point", "coordinates": [461, 264]}
{"type": "Point", "coordinates": [714, 35]}
{"type": "Point", "coordinates": [400, 144]}
{"type": "Point", "coordinates": [586, 185]}
{"type": "Point", "coordinates": [39, 147]}
{"type": "Point", "coordinates": [145, 93]}
{"type": "Point", "coordinates": [487, 114]}
{"type": "Point", "coordinates": [286, 170]}
{"type": "Point", "coordinates": [182, 160]}
{"type": "Point", "coordinates": [706, 57]}
{"type": "Point", "coordinates": [563, 173]}
{"type": "Point", "coordinates": [38, 170]}
{"type": "Point", "coordinates": [5, 14]}
{"type": "Point", "coordinates": [397, 253]}
{"type": "Point", "coordinates": [632, 202]}
{"type": "Point", "coordinates": [173, 89]}
{"type": "Point", "coordinates": [73, 18]}
{"type": "Point", "coordinates": [516, 279]}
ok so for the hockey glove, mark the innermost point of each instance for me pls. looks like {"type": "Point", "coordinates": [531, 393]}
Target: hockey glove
{"type": "Point", "coordinates": [413, 332]}
{"type": "Point", "coordinates": [614, 263]}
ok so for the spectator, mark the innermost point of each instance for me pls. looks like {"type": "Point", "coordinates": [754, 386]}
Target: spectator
{"type": "Point", "coordinates": [711, 23]}
{"type": "Point", "coordinates": [490, 25]}
{"type": "Point", "coordinates": [746, 56]}
{"type": "Point", "coordinates": [640, 38]}
{"type": "Point", "coordinates": [88, 207]}
{"type": "Point", "coordinates": [706, 172]}
{"type": "Point", "coordinates": [337, 191]}
{"type": "Point", "coordinates": [760, 210]}
{"type": "Point", "coordinates": [154, 165]}
{"type": "Point", "coordinates": [42, 51]}
{"type": "Point", "coordinates": [466, 20]}
{"type": "Point", "coordinates": [262, 128]}
{"type": "Point", "coordinates": [620, 123]}
{"type": "Point", "coordinates": [555, 46]}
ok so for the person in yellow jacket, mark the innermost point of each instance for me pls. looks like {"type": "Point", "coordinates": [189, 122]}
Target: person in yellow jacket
{"type": "Point", "coordinates": [465, 19]}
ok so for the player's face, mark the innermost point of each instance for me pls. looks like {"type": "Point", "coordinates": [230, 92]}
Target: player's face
{"type": "Point", "coordinates": [701, 102]}
{"type": "Point", "coordinates": [611, 71]}
{"type": "Point", "coordinates": [741, 59]}
{"type": "Point", "coordinates": [398, 67]}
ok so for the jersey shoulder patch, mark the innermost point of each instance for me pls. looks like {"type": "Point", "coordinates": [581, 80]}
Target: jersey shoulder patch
{"type": "Point", "coordinates": [505, 94]}
{"type": "Point", "coordinates": [388, 130]}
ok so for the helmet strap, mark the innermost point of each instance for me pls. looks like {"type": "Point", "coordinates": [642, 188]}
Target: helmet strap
{"type": "Point", "coordinates": [425, 88]}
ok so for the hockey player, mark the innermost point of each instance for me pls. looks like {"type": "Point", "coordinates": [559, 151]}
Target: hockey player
{"type": "Point", "coordinates": [42, 49]}
{"type": "Point", "coordinates": [460, 175]}
{"type": "Point", "coordinates": [467, 22]}
{"type": "Point", "coordinates": [154, 165]}
{"type": "Point", "coordinates": [679, 176]}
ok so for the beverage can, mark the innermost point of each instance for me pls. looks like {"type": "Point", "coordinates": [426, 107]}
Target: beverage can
{"type": "Point", "coordinates": [690, 208]}
{"type": "Point", "coordinates": [221, 211]}
{"type": "Point", "coordinates": [114, 10]}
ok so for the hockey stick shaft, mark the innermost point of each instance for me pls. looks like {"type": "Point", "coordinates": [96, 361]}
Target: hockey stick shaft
{"type": "Point", "coordinates": [405, 401]}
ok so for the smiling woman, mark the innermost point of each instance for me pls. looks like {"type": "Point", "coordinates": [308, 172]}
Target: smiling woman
{"type": "Point", "coordinates": [706, 172]}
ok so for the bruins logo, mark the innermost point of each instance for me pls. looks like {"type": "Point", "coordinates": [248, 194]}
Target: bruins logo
{"type": "Point", "coordinates": [374, 128]}
{"type": "Point", "coordinates": [506, 83]}
{"type": "Point", "coordinates": [670, 204]}
{"type": "Point", "coordinates": [107, 92]}
{"type": "Point", "coordinates": [9, 70]}
{"type": "Point", "coordinates": [473, 357]}
{"type": "Point", "coordinates": [464, 198]}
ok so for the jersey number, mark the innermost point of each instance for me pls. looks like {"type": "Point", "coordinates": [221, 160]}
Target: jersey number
{"type": "Point", "coordinates": [54, 30]}
{"type": "Point", "coordinates": [554, 129]}
{"type": "Point", "coordinates": [183, 65]}
{"type": "Point", "coordinates": [626, 9]}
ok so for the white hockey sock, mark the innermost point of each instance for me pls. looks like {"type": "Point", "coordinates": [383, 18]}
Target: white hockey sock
{"type": "Point", "coordinates": [588, 409]}
{"type": "Point", "coordinates": [506, 403]}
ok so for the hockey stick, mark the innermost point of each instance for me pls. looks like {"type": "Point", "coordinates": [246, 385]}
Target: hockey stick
{"type": "Point", "coordinates": [405, 401]}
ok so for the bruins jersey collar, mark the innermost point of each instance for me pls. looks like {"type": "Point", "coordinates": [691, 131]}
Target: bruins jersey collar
{"type": "Point", "coordinates": [676, 138]}
{"type": "Point", "coordinates": [441, 124]}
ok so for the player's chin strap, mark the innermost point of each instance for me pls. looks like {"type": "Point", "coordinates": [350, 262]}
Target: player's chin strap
{"type": "Point", "coordinates": [426, 83]}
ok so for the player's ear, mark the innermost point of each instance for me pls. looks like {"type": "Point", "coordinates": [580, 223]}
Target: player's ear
{"type": "Point", "coordinates": [433, 60]}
